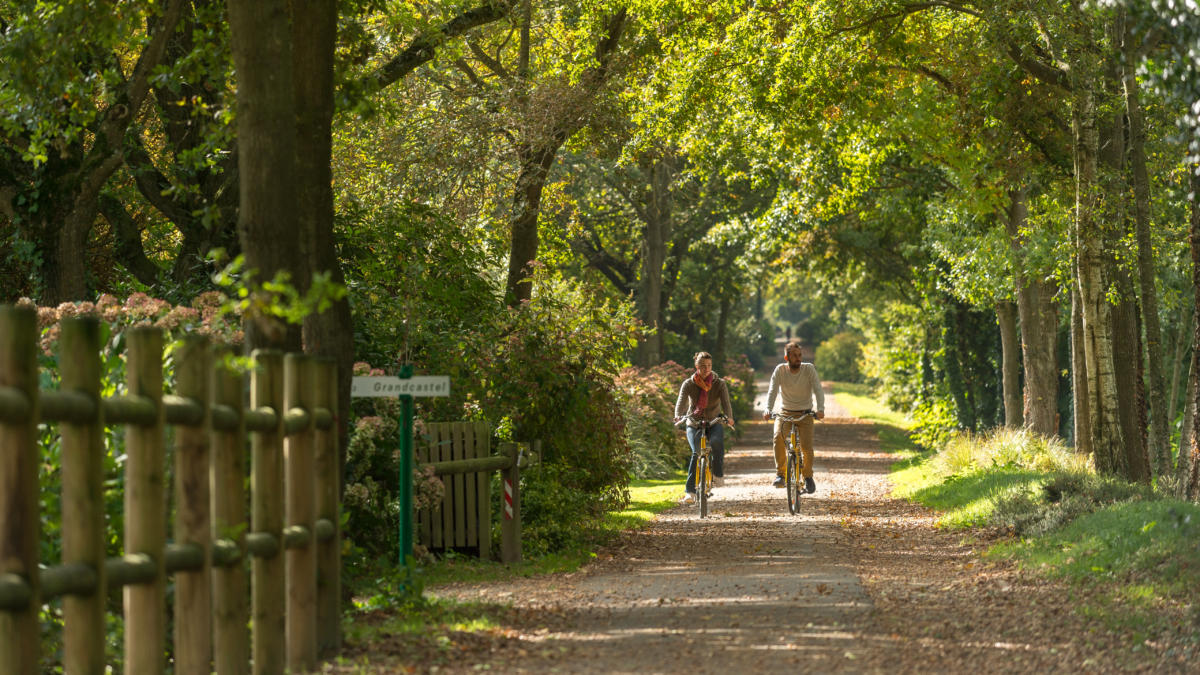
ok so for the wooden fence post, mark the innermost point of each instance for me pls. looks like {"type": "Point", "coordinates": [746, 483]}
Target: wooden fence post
{"type": "Point", "coordinates": [83, 522]}
{"type": "Point", "coordinates": [301, 617]}
{"type": "Point", "coordinates": [193, 526]}
{"type": "Point", "coordinates": [266, 391]}
{"type": "Point", "coordinates": [19, 520]}
{"type": "Point", "coordinates": [145, 507]}
{"type": "Point", "coordinates": [231, 646]}
{"type": "Point", "coordinates": [329, 486]}
{"type": "Point", "coordinates": [510, 522]}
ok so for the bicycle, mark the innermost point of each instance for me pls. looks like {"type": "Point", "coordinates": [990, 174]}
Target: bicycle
{"type": "Point", "coordinates": [794, 481]}
{"type": "Point", "coordinates": [703, 473]}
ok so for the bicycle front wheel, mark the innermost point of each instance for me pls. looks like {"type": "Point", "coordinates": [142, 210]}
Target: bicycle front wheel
{"type": "Point", "coordinates": [795, 486]}
{"type": "Point", "coordinates": [703, 483]}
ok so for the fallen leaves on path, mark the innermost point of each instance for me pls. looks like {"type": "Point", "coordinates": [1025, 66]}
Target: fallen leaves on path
{"type": "Point", "coordinates": [858, 582]}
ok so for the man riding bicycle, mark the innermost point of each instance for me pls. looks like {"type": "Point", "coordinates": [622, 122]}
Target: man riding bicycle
{"type": "Point", "coordinates": [798, 386]}
{"type": "Point", "coordinates": [704, 395]}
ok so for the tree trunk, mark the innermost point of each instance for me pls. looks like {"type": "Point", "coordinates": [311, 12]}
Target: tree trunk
{"type": "Point", "coordinates": [1127, 339]}
{"type": "Point", "coordinates": [953, 339]}
{"type": "Point", "coordinates": [1191, 481]}
{"type": "Point", "coordinates": [273, 239]}
{"type": "Point", "coordinates": [1126, 327]}
{"type": "Point", "coordinates": [719, 356]}
{"type": "Point", "coordinates": [1187, 471]}
{"type": "Point", "coordinates": [1081, 414]}
{"type": "Point", "coordinates": [1038, 315]}
{"type": "Point", "coordinates": [654, 253]}
{"type": "Point", "coordinates": [1180, 364]}
{"type": "Point", "coordinates": [535, 163]}
{"type": "Point", "coordinates": [1006, 314]}
{"type": "Point", "coordinates": [1159, 440]}
{"type": "Point", "coordinates": [1101, 393]}
{"type": "Point", "coordinates": [523, 219]}
{"type": "Point", "coordinates": [65, 237]}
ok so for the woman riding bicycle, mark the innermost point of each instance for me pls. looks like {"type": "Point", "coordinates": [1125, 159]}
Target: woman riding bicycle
{"type": "Point", "coordinates": [703, 396]}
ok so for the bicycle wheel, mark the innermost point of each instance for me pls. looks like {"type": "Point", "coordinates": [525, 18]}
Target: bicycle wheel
{"type": "Point", "coordinates": [791, 478]}
{"type": "Point", "coordinates": [795, 487]}
{"type": "Point", "coordinates": [703, 483]}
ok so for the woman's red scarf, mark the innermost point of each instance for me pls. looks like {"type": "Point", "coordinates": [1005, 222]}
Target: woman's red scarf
{"type": "Point", "coordinates": [704, 384]}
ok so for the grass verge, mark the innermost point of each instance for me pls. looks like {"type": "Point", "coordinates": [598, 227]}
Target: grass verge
{"type": "Point", "coordinates": [891, 426]}
{"type": "Point", "coordinates": [1131, 554]}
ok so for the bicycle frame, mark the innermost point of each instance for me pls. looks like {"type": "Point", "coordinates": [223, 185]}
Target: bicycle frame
{"type": "Point", "coordinates": [703, 471]}
{"type": "Point", "coordinates": [792, 470]}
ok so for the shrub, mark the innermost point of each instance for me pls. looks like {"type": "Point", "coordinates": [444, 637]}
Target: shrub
{"type": "Point", "coordinates": [647, 399]}
{"type": "Point", "coordinates": [739, 377]}
{"type": "Point", "coordinates": [933, 423]}
{"type": "Point", "coordinates": [371, 478]}
{"type": "Point", "coordinates": [1005, 448]}
{"type": "Point", "coordinates": [837, 358]}
{"type": "Point", "coordinates": [1064, 496]}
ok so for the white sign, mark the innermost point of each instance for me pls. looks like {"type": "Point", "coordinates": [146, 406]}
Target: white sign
{"type": "Point", "coordinates": [420, 385]}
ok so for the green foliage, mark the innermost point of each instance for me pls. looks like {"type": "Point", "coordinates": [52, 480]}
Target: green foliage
{"type": "Point", "coordinates": [739, 378]}
{"type": "Point", "coordinates": [933, 422]}
{"type": "Point", "coordinates": [275, 299]}
{"type": "Point", "coordinates": [838, 358]}
{"type": "Point", "coordinates": [551, 376]}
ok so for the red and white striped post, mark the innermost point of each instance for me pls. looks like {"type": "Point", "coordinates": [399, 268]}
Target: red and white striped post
{"type": "Point", "coordinates": [510, 525]}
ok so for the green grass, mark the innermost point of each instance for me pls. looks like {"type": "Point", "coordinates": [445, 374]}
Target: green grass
{"type": "Point", "coordinates": [1139, 561]}
{"type": "Point", "coordinates": [891, 426]}
{"type": "Point", "coordinates": [1132, 555]}
{"type": "Point", "coordinates": [966, 500]}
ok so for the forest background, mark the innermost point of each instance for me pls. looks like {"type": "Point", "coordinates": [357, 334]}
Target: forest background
{"type": "Point", "coordinates": [982, 210]}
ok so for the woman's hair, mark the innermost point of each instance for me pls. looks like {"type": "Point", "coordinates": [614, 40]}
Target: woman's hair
{"type": "Point", "coordinates": [700, 356]}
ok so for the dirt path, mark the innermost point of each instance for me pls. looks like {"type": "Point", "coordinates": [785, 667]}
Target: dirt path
{"type": "Point", "coordinates": [858, 583]}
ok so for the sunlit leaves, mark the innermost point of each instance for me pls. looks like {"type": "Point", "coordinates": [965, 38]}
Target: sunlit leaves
{"type": "Point", "coordinates": [62, 64]}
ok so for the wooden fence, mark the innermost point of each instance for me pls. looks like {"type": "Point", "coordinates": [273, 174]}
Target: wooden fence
{"type": "Point", "coordinates": [291, 596]}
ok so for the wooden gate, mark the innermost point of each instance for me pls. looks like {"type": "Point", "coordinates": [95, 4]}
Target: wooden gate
{"type": "Point", "coordinates": [463, 521]}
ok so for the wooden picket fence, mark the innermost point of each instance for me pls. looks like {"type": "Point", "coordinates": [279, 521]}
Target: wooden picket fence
{"type": "Point", "coordinates": [289, 544]}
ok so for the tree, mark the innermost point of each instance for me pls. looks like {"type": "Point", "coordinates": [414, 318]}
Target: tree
{"type": "Point", "coordinates": [59, 151]}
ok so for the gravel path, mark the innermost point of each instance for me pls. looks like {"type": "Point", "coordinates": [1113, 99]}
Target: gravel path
{"type": "Point", "coordinates": [857, 583]}
{"type": "Point", "coordinates": [749, 587]}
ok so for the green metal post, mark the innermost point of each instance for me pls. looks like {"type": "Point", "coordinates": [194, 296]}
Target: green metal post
{"type": "Point", "coordinates": [406, 472]}
{"type": "Point", "coordinates": [406, 478]}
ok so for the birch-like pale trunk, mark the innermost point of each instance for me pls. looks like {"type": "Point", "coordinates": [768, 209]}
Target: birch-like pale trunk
{"type": "Point", "coordinates": [1101, 389]}
{"type": "Point", "coordinates": [1159, 432]}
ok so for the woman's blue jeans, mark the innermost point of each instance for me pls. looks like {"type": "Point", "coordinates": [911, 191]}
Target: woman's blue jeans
{"type": "Point", "coordinates": [716, 450]}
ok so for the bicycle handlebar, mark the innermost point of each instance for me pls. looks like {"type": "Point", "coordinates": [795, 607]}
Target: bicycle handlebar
{"type": "Point", "coordinates": [797, 418]}
{"type": "Point", "coordinates": [703, 422]}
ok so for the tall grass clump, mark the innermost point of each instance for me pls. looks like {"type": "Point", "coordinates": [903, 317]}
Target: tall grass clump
{"type": "Point", "coordinates": [975, 477]}
{"type": "Point", "coordinates": [1008, 449]}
